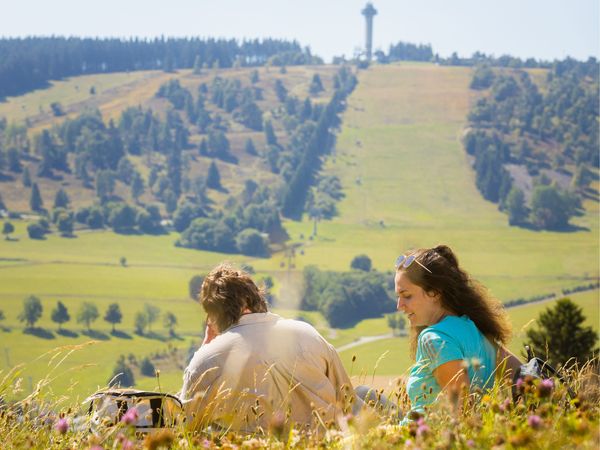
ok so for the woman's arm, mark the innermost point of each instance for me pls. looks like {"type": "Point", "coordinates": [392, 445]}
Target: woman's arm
{"type": "Point", "coordinates": [453, 378]}
{"type": "Point", "coordinates": [507, 363]}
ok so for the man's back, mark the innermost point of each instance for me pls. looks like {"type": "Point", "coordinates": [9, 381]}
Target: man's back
{"type": "Point", "coordinates": [265, 369]}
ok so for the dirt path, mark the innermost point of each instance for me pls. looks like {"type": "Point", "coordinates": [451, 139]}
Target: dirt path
{"type": "Point", "coordinates": [364, 340]}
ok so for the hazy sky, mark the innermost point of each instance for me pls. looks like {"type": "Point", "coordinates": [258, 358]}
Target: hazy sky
{"type": "Point", "coordinates": [545, 29]}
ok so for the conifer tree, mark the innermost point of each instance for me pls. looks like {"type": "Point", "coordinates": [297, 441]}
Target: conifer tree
{"type": "Point", "coordinates": [26, 177]}
{"type": "Point", "coordinates": [137, 186]}
{"type": "Point", "coordinates": [203, 150]}
{"type": "Point", "coordinates": [197, 65]}
{"type": "Point", "coordinates": [14, 160]}
{"type": "Point", "coordinates": [561, 331]}
{"type": "Point", "coordinates": [270, 133]}
{"type": "Point", "coordinates": [515, 206]}
{"type": "Point", "coordinates": [35, 200]}
{"type": "Point", "coordinates": [61, 199]}
{"type": "Point", "coordinates": [213, 178]}
{"type": "Point", "coordinates": [250, 148]}
{"type": "Point", "coordinates": [316, 86]}
{"type": "Point", "coordinates": [280, 91]}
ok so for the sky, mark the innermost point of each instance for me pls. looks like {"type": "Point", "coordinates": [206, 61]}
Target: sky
{"type": "Point", "coordinates": [542, 29]}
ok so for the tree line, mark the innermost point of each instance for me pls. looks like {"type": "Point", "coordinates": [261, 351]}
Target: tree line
{"type": "Point", "coordinates": [407, 51]}
{"type": "Point", "coordinates": [514, 123]}
{"type": "Point", "coordinates": [88, 313]}
{"type": "Point", "coordinates": [30, 63]}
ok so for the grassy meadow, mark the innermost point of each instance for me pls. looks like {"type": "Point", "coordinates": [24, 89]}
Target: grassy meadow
{"type": "Point", "coordinates": [407, 184]}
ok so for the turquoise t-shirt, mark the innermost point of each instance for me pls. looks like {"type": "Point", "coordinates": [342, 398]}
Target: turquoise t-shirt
{"type": "Point", "coordinates": [450, 339]}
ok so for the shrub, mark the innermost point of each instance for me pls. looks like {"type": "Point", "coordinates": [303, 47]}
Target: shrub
{"type": "Point", "coordinates": [361, 262]}
{"type": "Point", "coordinates": [122, 374]}
{"type": "Point", "coordinates": [36, 231]}
{"type": "Point", "coordinates": [147, 368]}
{"type": "Point", "coordinates": [252, 243]}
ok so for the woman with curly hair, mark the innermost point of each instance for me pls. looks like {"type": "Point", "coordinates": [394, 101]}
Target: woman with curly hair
{"type": "Point", "coordinates": [458, 332]}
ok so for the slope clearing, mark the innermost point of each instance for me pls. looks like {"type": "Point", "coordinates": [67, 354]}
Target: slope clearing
{"type": "Point", "coordinates": [408, 184]}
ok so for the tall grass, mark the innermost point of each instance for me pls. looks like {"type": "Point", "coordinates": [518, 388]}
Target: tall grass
{"type": "Point", "coordinates": [544, 417]}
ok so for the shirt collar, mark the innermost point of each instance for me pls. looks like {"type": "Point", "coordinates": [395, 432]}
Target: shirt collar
{"type": "Point", "coordinates": [252, 318]}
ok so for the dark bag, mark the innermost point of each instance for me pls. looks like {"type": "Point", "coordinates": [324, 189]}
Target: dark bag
{"type": "Point", "coordinates": [154, 409]}
{"type": "Point", "coordinates": [537, 368]}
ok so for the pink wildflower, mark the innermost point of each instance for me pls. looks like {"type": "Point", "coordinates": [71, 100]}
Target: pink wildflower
{"type": "Point", "coordinates": [126, 444]}
{"type": "Point", "coordinates": [62, 426]}
{"type": "Point", "coordinates": [545, 387]}
{"type": "Point", "coordinates": [130, 417]}
{"type": "Point", "coordinates": [470, 443]}
{"type": "Point", "coordinates": [423, 429]}
{"type": "Point", "coordinates": [505, 405]}
{"type": "Point", "coordinates": [534, 421]}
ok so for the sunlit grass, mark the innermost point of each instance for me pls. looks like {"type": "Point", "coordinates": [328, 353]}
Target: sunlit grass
{"type": "Point", "coordinates": [545, 417]}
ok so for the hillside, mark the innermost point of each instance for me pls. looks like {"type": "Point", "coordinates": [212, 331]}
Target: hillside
{"type": "Point", "coordinates": [407, 183]}
{"type": "Point", "coordinates": [115, 93]}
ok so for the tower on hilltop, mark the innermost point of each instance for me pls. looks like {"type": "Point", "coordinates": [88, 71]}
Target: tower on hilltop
{"type": "Point", "coordinates": [369, 12]}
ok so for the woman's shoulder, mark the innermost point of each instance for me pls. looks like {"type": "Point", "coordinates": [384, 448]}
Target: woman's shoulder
{"type": "Point", "coordinates": [449, 328]}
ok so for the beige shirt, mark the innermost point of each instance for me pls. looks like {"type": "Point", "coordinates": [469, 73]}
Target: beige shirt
{"type": "Point", "coordinates": [263, 372]}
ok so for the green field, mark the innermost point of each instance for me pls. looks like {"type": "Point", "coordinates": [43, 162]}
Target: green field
{"type": "Point", "coordinates": [407, 183]}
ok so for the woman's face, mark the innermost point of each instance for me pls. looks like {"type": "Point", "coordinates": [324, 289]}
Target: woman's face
{"type": "Point", "coordinates": [421, 308]}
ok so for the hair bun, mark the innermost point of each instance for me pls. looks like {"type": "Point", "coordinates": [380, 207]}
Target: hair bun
{"type": "Point", "coordinates": [446, 252]}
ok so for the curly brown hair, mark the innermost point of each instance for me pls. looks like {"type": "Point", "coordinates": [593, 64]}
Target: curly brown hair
{"type": "Point", "coordinates": [459, 293]}
{"type": "Point", "coordinates": [226, 292]}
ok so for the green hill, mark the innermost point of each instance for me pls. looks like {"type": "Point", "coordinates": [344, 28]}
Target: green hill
{"type": "Point", "coordinates": [407, 183]}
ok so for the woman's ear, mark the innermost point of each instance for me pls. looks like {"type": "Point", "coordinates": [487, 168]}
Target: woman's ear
{"type": "Point", "coordinates": [434, 295]}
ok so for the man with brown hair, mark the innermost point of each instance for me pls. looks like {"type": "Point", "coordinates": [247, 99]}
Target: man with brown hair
{"type": "Point", "coordinates": [255, 369]}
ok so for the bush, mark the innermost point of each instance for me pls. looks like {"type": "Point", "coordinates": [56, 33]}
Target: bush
{"type": "Point", "coordinates": [208, 234]}
{"type": "Point", "coordinates": [185, 213]}
{"type": "Point", "coordinates": [551, 207]}
{"type": "Point", "coordinates": [252, 243]}
{"type": "Point", "coordinates": [65, 224]}
{"type": "Point", "coordinates": [122, 374]}
{"type": "Point", "coordinates": [95, 219]}
{"type": "Point", "coordinates": [122, 217]}
{"type": "Point", "coordinates": [361, 262]}
{"type": "Point", "coordinates": [147, 368]}
{"type": "Point", "coordinates": [36, 231]}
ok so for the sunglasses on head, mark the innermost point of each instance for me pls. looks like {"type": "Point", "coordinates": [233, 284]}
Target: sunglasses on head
{"type": "Point", "coordinates": [405, 261]}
